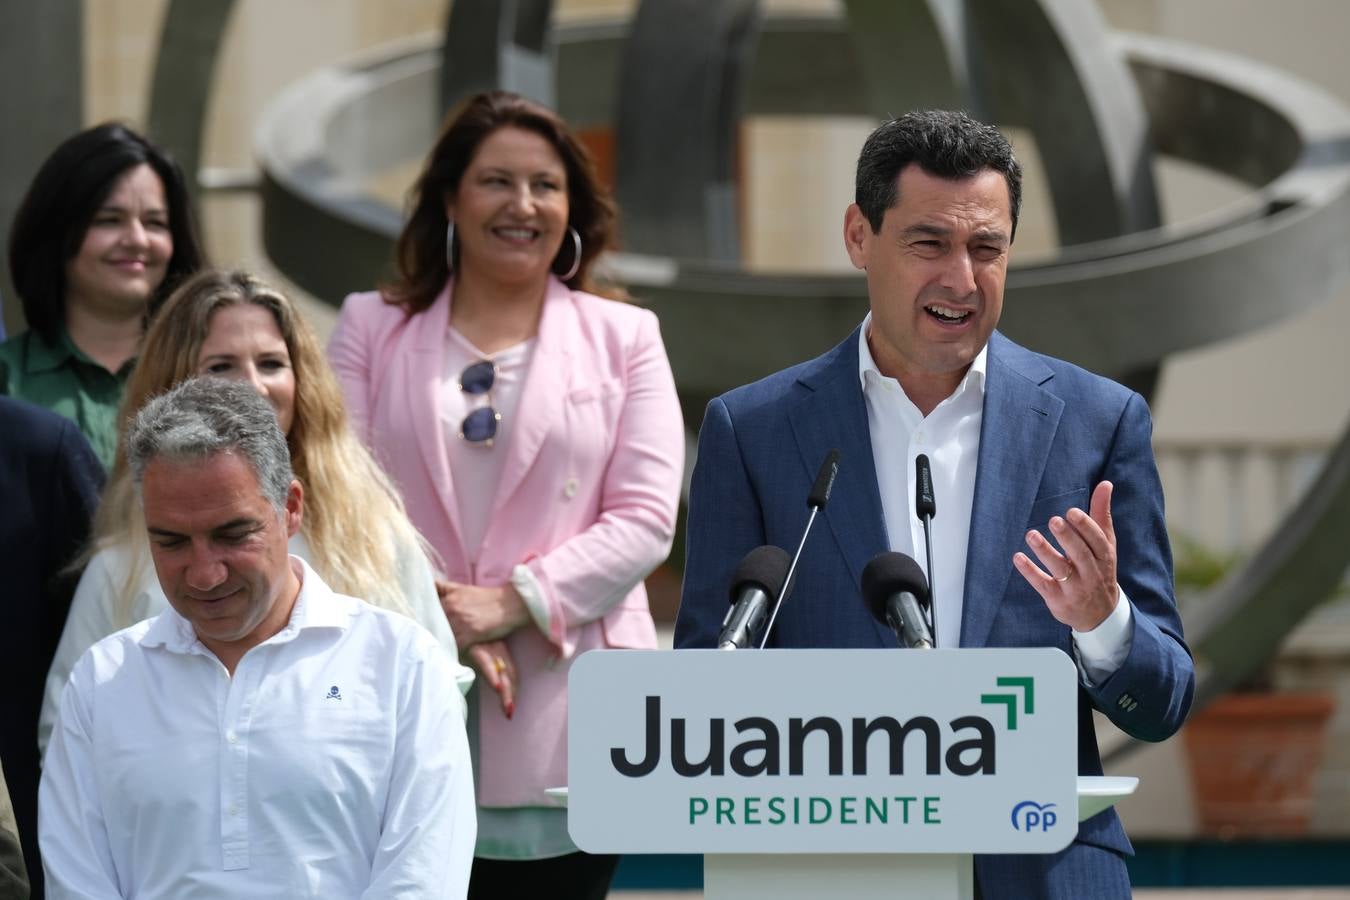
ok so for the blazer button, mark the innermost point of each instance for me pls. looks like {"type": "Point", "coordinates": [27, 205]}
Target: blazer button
{"type": "Point", "coordinates": [570, 488]}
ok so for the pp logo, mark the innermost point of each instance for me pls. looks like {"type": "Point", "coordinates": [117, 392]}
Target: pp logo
{"type": "Point", "coordinates": [1030, 816]}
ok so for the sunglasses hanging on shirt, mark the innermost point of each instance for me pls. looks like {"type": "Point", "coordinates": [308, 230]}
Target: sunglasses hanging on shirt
{"type": "Point", "coordinates": [480, 425]}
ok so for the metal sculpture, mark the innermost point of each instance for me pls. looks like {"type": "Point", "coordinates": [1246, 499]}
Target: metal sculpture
{"type": "Point", "coordinates": [1100, 301]}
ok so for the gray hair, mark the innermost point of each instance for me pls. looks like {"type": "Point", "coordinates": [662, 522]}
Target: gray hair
{"type": "Point", "coordinates": [205, 416]}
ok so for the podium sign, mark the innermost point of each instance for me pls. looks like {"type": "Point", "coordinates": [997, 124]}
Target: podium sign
{"type": "Point", "coordinates": [823, 751]}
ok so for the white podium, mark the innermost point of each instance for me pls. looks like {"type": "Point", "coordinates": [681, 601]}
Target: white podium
{"type": "Point", "coordinates": [813, 773]}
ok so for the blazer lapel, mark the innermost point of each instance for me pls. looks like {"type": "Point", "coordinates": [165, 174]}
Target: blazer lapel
{"type": "Point", "coordinates": [1018, 426]}
{"type": "Point", "coordinates": [834, 416]}
{"type": "Point", "coordinates": [544, 392]}
{"type": "Point", "coordinates": [424, 371]}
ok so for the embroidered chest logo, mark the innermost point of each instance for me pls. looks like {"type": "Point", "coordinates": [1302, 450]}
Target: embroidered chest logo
{"type": "Point", "coordinates": [334, 693]}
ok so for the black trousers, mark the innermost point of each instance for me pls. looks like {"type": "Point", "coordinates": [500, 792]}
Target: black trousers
{"type": "Point", "coordinates": [576, 876]}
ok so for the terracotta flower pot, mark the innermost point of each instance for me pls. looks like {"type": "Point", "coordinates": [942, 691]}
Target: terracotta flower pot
{"type": "Point", "coordinates": [1254, 758]}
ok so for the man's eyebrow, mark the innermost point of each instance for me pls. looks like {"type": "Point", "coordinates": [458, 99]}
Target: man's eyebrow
{"type": "Point", "coordinates": [991, 235]}
{"type": "Point", "coordinates": [926, 230]}
{"type": "Point", "coordinates": [923, 229]}
{"type": "Point", "coordinates": [162, 532]}
{"type": "Point", "coordinates": [232, 525]}
{"type": "Point", "coordinates": [236, 524]}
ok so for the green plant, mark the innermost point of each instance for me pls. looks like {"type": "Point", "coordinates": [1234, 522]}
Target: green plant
{"type": "Point", "coordinates": [1197, 566]}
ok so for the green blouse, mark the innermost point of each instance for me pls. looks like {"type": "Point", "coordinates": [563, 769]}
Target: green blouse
{"type": "Point", "coordinates": [64, 379]}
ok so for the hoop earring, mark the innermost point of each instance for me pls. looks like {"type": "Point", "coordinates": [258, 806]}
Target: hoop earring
{"type": "Point", "coordinates": [450, 245]}
{"type": "Point", "coordinates": [576, 254]}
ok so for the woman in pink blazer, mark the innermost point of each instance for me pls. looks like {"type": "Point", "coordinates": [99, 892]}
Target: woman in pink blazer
{"type": "Point", "coordinates": [535, 433]}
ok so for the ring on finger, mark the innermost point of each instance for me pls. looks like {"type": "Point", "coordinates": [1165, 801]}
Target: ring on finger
{"type": "Point", "coordinates": [1067, 575]}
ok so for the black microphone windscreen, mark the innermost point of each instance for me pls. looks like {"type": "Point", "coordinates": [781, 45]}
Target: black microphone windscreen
{"type": "Point", "coordinates": [820, 491]}
{"type": "Point", "coordinates": [925, 503]}
{"type": "Point", "coordinates": [891, 573]}
{"type": "Point", "coordinates": [764, 567]}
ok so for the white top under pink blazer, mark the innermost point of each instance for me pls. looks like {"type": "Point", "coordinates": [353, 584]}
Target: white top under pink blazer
{"type": "Point", "coordinates": [586, 498]}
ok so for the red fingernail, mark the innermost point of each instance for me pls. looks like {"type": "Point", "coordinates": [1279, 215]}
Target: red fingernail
{"type": "Point", "coordinates": [510, 709]}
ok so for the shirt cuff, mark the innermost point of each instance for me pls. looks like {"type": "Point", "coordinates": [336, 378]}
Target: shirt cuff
{"type": "Point", "coordinates": [529, 589]}
{"type": "Point", "coordinates": [1101, 651]}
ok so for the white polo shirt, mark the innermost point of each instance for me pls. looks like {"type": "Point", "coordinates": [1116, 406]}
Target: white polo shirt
{"type": "Point", "coordinates": [333, 764]}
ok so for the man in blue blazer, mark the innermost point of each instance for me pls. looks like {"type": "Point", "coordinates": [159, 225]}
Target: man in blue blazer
{"type": "Point", "coordinates": [1023, 446]}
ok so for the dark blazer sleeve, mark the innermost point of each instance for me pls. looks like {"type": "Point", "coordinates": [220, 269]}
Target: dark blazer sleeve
{"type": "Point", "coordinates": [13, 875]}
{"type": "Point", "coordinates": [71, 498]}
{"type": "Point", "coordinates": [49, 481]}
{"type": "Point", "coordinates": [724, 523]}
{"type": "Point", "coordinates": [1149, 695]}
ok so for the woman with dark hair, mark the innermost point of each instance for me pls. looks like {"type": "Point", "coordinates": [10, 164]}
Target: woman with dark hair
{"type": "Point", "coordinates": [535, 433]}
{"type": "Point", "coordinates": [104, 231]}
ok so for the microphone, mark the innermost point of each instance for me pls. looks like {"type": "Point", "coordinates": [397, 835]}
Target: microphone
{"type": "Point", "coordinates": [925, 506]}
{"type": "Point", "coordinates": [759, 578]}
{"type": "Point", "coordinates": [815, 501]}
{"type": "Point", "coordinates": [820, 491]}
{"type": "Point", "coordinates": [895, 591]}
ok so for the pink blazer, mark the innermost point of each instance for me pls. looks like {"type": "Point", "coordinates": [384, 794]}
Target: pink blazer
{"type": "Point", "coordinates": [587, 497]}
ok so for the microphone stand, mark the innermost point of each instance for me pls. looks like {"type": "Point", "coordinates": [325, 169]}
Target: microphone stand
{"type": "Point", "coordinates": [932, 593]}
{"type": "Point", "coordinates": [787, 583]}
{"type": "Point", "coordinates": [816, 500]}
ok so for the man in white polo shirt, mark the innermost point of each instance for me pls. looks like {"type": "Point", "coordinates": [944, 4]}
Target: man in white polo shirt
{"type": "Point", "coordinates": [265, 737]}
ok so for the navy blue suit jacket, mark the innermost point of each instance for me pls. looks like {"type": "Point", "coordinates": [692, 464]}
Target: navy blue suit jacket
{"type": "Point", "coordinates": [49, 484]}
{"type": "Point", "coordinates": [1050, 432]}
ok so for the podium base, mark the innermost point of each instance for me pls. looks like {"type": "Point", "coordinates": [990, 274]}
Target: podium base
{"type": "Point", "coordinates": [810, 876]}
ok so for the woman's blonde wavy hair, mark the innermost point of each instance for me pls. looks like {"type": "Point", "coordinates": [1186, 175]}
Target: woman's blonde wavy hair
{"type": "Point", "coordinates": [346, 491]}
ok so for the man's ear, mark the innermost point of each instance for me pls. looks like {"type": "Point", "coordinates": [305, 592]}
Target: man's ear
{"type": "Point", "coordinates": [857, 236]}
{"type": "Point", "coordinates": [295, 507]}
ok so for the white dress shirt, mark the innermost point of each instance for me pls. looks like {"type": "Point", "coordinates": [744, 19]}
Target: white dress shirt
{"type": "Point", "coordinates": [333, 764]}
{"type": "Point", "coordinates": [950, 437]}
